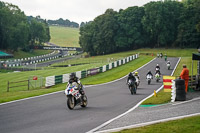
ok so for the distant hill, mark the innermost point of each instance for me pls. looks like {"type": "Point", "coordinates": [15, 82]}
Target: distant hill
{"type": "Point", "coordinates": [62, 22]}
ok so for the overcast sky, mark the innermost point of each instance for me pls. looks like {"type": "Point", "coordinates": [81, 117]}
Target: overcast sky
{"type": "Point", "coordinates": [73, 10]}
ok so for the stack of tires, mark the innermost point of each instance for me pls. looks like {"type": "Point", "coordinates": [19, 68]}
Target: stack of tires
{"type": "Point", "coordinates": [180, 90]}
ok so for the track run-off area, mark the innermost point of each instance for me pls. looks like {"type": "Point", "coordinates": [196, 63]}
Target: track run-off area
{"type": "Point", "coordinates": [49, 113]}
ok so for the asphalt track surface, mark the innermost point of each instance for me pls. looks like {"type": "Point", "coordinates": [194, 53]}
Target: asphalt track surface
{"type": "Point", "coordinates": [49, 114]}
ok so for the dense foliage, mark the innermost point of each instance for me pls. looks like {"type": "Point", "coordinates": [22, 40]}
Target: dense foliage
{"type": "Point", "coordinates": [19, 31]}
{"type": "Point", "coordinates": [167, 23]}
{"type": "Point", "coordinates": [61, 22]}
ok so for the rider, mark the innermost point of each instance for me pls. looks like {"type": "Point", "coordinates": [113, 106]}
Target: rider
{"type": "Point", "coordinates": [73, 78]}
{"type": "Point", "coordinates": [157, 67]}
{"type": "Point", "coordinates": [149, 73]}
{"type": "Point", "coordinates": [157, 71]}
{"type": "Point", "coordinates": [136, 75]}
{"type": "Point", "coordinates": [168, 62]}
{"type": "Point", "coordinates": [131, 77]}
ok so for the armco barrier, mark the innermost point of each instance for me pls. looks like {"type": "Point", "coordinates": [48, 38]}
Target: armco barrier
{"type": "Point", "coordinates": [52, 80]}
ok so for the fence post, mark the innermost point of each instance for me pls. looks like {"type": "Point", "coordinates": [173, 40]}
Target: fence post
{"type": "Point", "coordinates": [28, 84]}
{"type": "Point", "coordinates": [8, 87]}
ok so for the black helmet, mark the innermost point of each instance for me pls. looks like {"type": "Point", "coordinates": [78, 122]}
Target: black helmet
{"type": "Point", "coordinates": [72, 76]}
{"type": "Point", "coordinates": [130, 74]}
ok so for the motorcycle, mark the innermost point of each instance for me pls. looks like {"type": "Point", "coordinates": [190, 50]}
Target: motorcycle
{"type": "Point", "coordinates": [168, 66]}
{"type": "Point", "coordinates": [149, 77]}
{"type": "Point", "coordinates": [74, 97]}
{"type": "Point", "coordinates": [157, 77]}
{"type": "Point", "coordinates": [137, 82]}
{"type": "Point", "coordinates": [132, 86]}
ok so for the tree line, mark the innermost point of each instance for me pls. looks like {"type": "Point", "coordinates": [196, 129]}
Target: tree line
{"type": "Point", "coordinates": [61, 22]}
{"type": "Point", "coordinates": [166, 24]}
{"type": "Point", "coordinates": [17, 31]}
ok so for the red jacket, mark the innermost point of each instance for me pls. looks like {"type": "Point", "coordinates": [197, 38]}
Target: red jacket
{"type": "Point", "coordinates": [185, 74]}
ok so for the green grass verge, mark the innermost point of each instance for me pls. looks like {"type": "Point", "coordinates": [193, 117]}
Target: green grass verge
{"type": "Point", "coordinates": [168, 52]}
{"type": "Point", "coordinates": [21, 54]}
{"type": "Point", "coordinates": [161, 98]}
{"type": "Point", "coordinates": [118, 72]}
{"type": "Point", "coordinates": [186, 125]}
{"type": "Point", "coordinates": [64, 36]}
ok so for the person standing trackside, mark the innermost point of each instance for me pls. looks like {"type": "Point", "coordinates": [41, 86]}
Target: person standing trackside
{"type": "Point", "coordinates": [185, 75]}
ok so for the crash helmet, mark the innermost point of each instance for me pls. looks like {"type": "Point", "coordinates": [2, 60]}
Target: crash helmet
{"type": "Point", "coordinates": [136, 73]}
{"type": "Point", "coordinates": [157, 65]}
{"type": "Point", "coordinates": [72, 76]}
{"type": "Point", "coordinates": [130, 74]}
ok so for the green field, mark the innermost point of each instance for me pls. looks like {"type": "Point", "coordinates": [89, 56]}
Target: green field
{"type": "Point", "coordinates": [64, 36]}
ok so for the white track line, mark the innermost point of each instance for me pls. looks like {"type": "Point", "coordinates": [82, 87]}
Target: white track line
{"type": "Point", "coordinates": [186, 101]}
{"type": "Point", "coordinates": [119, 116]}
{"type": "Point", "coordinates": [147, 123]}
{"type": "Point", "coordinates": [63, 90]}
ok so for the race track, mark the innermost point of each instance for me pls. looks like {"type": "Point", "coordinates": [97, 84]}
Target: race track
{"type": "Point", "coordinates": [49, 114]}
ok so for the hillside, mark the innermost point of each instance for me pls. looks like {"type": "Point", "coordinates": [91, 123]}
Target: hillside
{"type": "Point", "coordinates": [64, 36]}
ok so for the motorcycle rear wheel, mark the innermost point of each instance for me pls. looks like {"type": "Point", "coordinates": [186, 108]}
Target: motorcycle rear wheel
{"type": "Point", "coordinates": [85, 101]}
{"type": "Point", "coordinates": [71, 103]}
{"type": "Point", "coordinates": [149, 81]}
{"type": "Point", "coordinates": [131, 89]}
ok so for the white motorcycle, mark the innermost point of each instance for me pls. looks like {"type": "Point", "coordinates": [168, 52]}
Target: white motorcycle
{"type": "Point", "coordinates": [137, 81]}
{"type": "Point", "coordinates": [74, 97]}
{"type": "Point", "coordinates": [168, 66]}
{"type": "Point", "coordinates": [157, 77]}
{"type": "Point", "coordinates": [149, 77]}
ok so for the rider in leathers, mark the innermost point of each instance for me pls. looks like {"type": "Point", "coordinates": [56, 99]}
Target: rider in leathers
{"type": "Point", "coordinates": [72, 79]}
{"type": "Point", "coordinates": [131, 77]}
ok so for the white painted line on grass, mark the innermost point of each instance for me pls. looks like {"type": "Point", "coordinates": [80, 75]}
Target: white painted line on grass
{"type": "Point", "coordinates": [147, 123]}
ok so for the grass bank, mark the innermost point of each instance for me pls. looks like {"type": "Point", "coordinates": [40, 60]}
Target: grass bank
{"type": "Point", "coordinates": [64, 36]}
{"type": "Point", "coordinates": [186, 125]}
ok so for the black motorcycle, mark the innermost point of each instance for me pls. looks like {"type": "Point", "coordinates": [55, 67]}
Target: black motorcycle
{"type": "Point", "coordinates": [132, 86]}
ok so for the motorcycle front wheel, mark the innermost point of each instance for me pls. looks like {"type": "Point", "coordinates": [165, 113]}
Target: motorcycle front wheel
{"type": "Point", "coordinates": [70, 102]}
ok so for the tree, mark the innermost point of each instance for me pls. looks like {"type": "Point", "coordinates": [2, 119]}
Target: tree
{"type": "Point", "coordinates": [188, 35]}
{"type": "Point", "coordinates": [130, 33]}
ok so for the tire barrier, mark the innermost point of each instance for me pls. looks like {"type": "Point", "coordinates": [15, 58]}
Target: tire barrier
{"type": "Point", "coordinates": [53, 80]}
{"type": "Point", "coordinates": [180, 90]}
